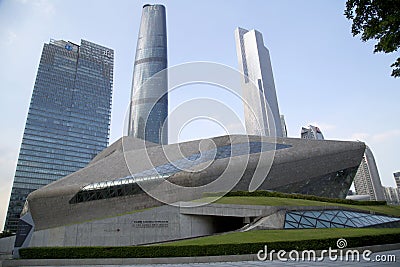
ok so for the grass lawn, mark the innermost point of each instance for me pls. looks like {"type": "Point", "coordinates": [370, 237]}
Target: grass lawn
{"type": "Point", "coordinates": [283, 235]}
{"type": "Point", "coordinates": [278, 201]}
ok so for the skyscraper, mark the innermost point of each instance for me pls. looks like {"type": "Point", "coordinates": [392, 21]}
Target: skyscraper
{"type": "Point", "coordinates": [149, 99]}
{"type": "Point", "coordinates": [68, 120]}
{"type": "Point", "coordinates": [284, 129]}
{"type": "Point", "coordinates": [367, 180]}
{"type": "Point", "coordinates": [255, 64]}
{"type": "Point", "coordinates": [312, 132]}
{"type": "Point", "coordinates": [392, 195]}
{"type": "Point", "coordinates": [396, 176]}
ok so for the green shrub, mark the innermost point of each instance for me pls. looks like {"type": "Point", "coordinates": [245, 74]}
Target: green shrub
{"type": "Point", "coordinates": [262, 193]}
{"type": "Point", "coordinates": [198, 250]}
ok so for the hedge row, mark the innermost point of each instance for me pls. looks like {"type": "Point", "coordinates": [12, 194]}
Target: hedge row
{"type": "Point", "coordinates": [262, 193]}
{"type": "Point", "coordinates": [198, 250]}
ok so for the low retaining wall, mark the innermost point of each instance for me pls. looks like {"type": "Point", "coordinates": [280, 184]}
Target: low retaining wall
{"type": "Point", "coordinates": [7, 245]}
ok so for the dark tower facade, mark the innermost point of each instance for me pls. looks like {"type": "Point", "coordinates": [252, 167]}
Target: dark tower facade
{"type": "Point", "coordinates": [68, 120]}
{"type": "Point", "coordinates": [149, 99]}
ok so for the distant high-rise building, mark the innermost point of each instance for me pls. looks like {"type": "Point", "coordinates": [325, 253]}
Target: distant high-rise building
{"type": "Point", "coordinates": [367, 180]}
{"type": "Point", "coordinates": [68, 120]}
{"type": "Point", "coordinates": [312, 132]}
{"type": "Point", "coordinates": [397, 179]}
{"type": "Point", "coordinates": [258, 85]}
{"type": "Point", "coordinates": [392, 195]}
{"type": "Point", "coordinates": [149, 99]}
{"type": "Point", "coordinates": [284, 129]}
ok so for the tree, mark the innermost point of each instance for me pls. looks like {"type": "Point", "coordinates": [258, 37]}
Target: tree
{"type": "Point", "coordinates": [379, 20]}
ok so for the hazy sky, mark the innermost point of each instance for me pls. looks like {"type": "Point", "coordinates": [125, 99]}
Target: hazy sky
{"type": "Point", "coordinates": [323, 75]}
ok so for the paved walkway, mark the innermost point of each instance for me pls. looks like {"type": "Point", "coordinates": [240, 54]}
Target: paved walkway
{"type": "Point", "coordinates": [394, 254]}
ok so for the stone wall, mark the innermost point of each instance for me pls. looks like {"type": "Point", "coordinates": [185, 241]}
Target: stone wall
{"type": "Point", "coordinates": [7, 245]}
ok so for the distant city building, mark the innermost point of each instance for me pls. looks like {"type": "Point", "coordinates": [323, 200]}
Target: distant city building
{"type": "Point", "coordinates": [367, 180]}
{"type": "Point", "coordinates": [392, 195]}
{"type": "Point", "coordinates": [312, 132]}
{"type": "Point", "coordinates": [68, 120]}
{"type": "Point", "coordinates": [149, 99]}
{"type": "Point", "coordinates": [258, 85]}
{"type": "Point", "coordinates": [397, 178]}
{"type": "Point", "coordinates": [284, 129]}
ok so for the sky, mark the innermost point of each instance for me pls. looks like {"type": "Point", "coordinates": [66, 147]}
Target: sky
{"type": "Point", "coordinates": [323, 75]}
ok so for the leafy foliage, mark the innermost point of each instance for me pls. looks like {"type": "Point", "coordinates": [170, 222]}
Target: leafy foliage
{"type": "Point", "coordinates": [379, 20]}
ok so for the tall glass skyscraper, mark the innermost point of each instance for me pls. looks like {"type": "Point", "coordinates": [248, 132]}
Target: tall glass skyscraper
{"type": "Point", "coordinates": [68, 120]}
{"type": "Point", "coordinates": [284, 128]}
{"type": "Point", "coordinates": [261, 110]}
{"type": "Point", "coordinates": [149, 99]}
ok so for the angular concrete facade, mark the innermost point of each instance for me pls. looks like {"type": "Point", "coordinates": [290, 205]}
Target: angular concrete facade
{"type": "Point", "coordinates": [149, 226]}
{"type": "Point", "coordinates": [188, 220]}
{"type": "Point", "coordinates": [107, 186]}
{"type": "Point", "coordinates": [127, 187]}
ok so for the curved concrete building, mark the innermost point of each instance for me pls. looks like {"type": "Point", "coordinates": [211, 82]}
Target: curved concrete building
{"type": "Point", "coordinates": [149, 100]}
{"type": "Point", "coordinates": [109, 185]}
{"type": "Point", "coordinates": [124, 187]}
